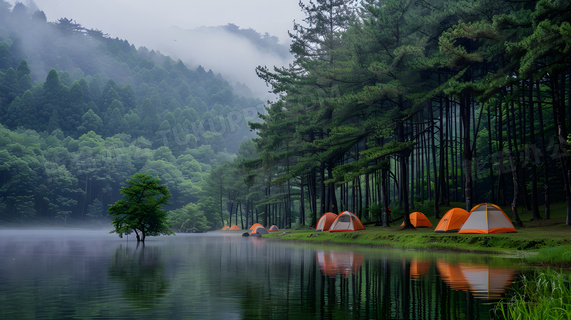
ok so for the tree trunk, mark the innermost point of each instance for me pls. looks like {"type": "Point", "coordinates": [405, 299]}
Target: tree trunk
{"type": "Point", "coordinates": [385, 201]}
{"type": "Point", "coordinates": [467, 149]}
{"type": "Point", "coordinates": [514, 168]}
{"type": "Point", "coordinates": [301, 203]}
{"type": "Point", "coordinates": [323, 204]}
{"type": "Point", "coordinates": [490, 152]}
{"type": "Point", "coordinates": [443, 157]}
{"type": "Point", "coordinates": [332, 198]}
{"type": "Point", "coordinates": [558, 87]}
{"type": "Point", "coordinates": [534, 196]}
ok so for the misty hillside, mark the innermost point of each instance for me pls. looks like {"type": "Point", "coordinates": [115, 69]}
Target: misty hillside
{"type": "Point", "coordinates": [264, 43]}
{"type": "Point", "coordinates": [229, 49]}
{"type": "Point", "coordinates": [80, 112]}
{"type": "Point", "coordinates": [150, 91]}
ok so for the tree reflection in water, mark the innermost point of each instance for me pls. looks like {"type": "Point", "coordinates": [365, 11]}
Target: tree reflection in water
{"type": "Point", "coordinates": [346, 284]}
{"type": "Point", "coordinates": [142, 273]}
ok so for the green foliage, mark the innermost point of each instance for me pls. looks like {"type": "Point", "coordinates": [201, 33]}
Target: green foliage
{"type": "Point", "coordinates": [543, 295]}
{"type": "Point", "coordinates": [189, 218]}
{"type": "Point", "coordinates": [102, 110]}
{"type": "Point", "coordinates": [140, 210]}
{"type": "Point", "coordinates": [557, 256]}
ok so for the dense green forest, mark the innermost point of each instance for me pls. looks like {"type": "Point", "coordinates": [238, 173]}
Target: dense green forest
{"type": "Point", "coordinates": [414, 104]}
{"type": "Point", "coordinates": [398, 103]}
{"type": "Point", "coordinates": [81, 112]}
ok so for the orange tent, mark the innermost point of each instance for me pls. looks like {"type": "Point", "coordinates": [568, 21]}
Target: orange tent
{"type": "Point", "coordinates": [487, 218]}
{"type": "Point", "coordinates": [452, 220]}
{"type": "Point", "coordinates": [234, 227]}
{"type": "Point", "coordinates": [274, 228]}
{"type": "Point", "coordinates": [260, 230]}
{"type": "Point", "coordinates": [256, 225]}
{"type": "Point", "coordinates": [325, 222]}
{"type": "Point", "coordinates": [419, 220]}
{"type": "Point", "coordinates": [346, 221]}
{"type": "Point", "coordinates": [225, 228]}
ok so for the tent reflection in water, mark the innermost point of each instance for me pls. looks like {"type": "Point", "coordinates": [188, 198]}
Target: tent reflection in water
{"type": "Point", "coordinates": [483, 281]}
{"type": "Point", "coordinates": [418, 268]}
{"type": "Point", "coordinates": [346, 221]}
{"type": "Point", "coordinates": [345, 263]}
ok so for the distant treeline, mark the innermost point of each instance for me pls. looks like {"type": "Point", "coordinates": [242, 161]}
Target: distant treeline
{"type": "Point", "coordinates": [81, 112]}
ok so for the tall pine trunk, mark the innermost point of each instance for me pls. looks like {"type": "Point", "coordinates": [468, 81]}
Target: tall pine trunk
{"type": "Point", "coordinates": [514, 168]}
{"type": "Point", "coordinates": [467, 149]}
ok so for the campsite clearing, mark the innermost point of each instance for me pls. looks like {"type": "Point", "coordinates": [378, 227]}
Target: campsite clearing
{"type": "Point", "coordinates": [535, 235]}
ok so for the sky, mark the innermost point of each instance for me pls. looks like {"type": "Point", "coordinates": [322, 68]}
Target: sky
{"type": "Point", "coordinates": [158, 24]}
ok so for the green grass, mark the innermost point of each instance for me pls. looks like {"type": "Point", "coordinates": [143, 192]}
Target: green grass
{"type": "Point", "coordinates": [532, 240]}
{"type": "Point", "coordinates": [556, 256]}
{"type": "Point", "coordinates": [545, 295]}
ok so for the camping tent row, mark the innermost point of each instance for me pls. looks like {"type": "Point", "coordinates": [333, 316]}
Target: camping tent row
{"type": "Point", "coordinates": [483, 218]}
{"type": "Point", "coordinates": [256, 227]}
{"type": "Point", "coordinates": [345, 221]}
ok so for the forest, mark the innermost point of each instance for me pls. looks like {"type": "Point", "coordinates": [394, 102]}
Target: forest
{"type": "Point", "coordinates": [400, 104]}
{"type": "Point", "coordinates": [81, 112]}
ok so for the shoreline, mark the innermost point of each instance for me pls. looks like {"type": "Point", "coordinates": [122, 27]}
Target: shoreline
{"type": "Point", "coordinates": [528, 244]}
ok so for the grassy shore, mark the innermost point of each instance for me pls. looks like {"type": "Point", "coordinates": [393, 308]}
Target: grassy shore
{"type": "Point", "coordinates": [546, 242]}
{"type": "Point", "coordinates": [546, 294]}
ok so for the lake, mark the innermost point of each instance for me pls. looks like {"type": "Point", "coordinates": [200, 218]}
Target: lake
{"type": "Point", "coordinates": [90, 274]}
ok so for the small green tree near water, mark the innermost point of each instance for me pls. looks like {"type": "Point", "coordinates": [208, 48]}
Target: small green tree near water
{"type": "Point", "coordinates": [140, 210]}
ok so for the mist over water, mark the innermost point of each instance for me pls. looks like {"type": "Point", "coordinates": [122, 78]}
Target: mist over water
{"type": "Point", "coordinates": [89, 273]}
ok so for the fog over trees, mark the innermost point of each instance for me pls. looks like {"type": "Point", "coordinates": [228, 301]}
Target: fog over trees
{"type": "Point", "coordinates": [81, 112]}
{"type": "Point", "coordinates": [394, 104]}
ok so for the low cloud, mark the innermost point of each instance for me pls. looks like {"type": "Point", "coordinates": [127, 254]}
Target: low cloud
{"type": "Point", "coordinates": [233, 52]}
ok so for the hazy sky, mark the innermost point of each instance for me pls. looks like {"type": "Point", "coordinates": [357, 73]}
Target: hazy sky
{"type": "Point", "coordinates": [129, 19]}
{"type": "Point", "coordinates": [157, 24]}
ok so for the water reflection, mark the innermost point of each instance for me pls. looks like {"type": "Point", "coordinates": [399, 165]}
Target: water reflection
{"type": "Point", "coordinates": [141, 272]}
{"type": "Point", "coordinates": [344, 263]}
{"type": "Point", "coordinates": [89, 275]}
{"type": "Point", "coordinates": [418, 268]}
{"type": "Point", "coordinates": [483, 281]}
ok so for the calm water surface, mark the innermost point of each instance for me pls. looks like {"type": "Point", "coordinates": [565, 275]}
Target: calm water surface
{"type": "Point", "coordinates": [89, 274]}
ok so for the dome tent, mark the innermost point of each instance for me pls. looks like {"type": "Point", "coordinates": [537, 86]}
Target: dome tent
{"type": "Point", "coordinates": [259, 229]}
{"type": "Point", "coordinates": [325, 221]}
{"type": "Point", "coordinates": [419, 220]}
{"type": "Point", "coordinates": [487, 218]}
{"type": "Point", "coordinates": [346, 221]}
{"type": "Point", "coordinates": [453, 220]}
